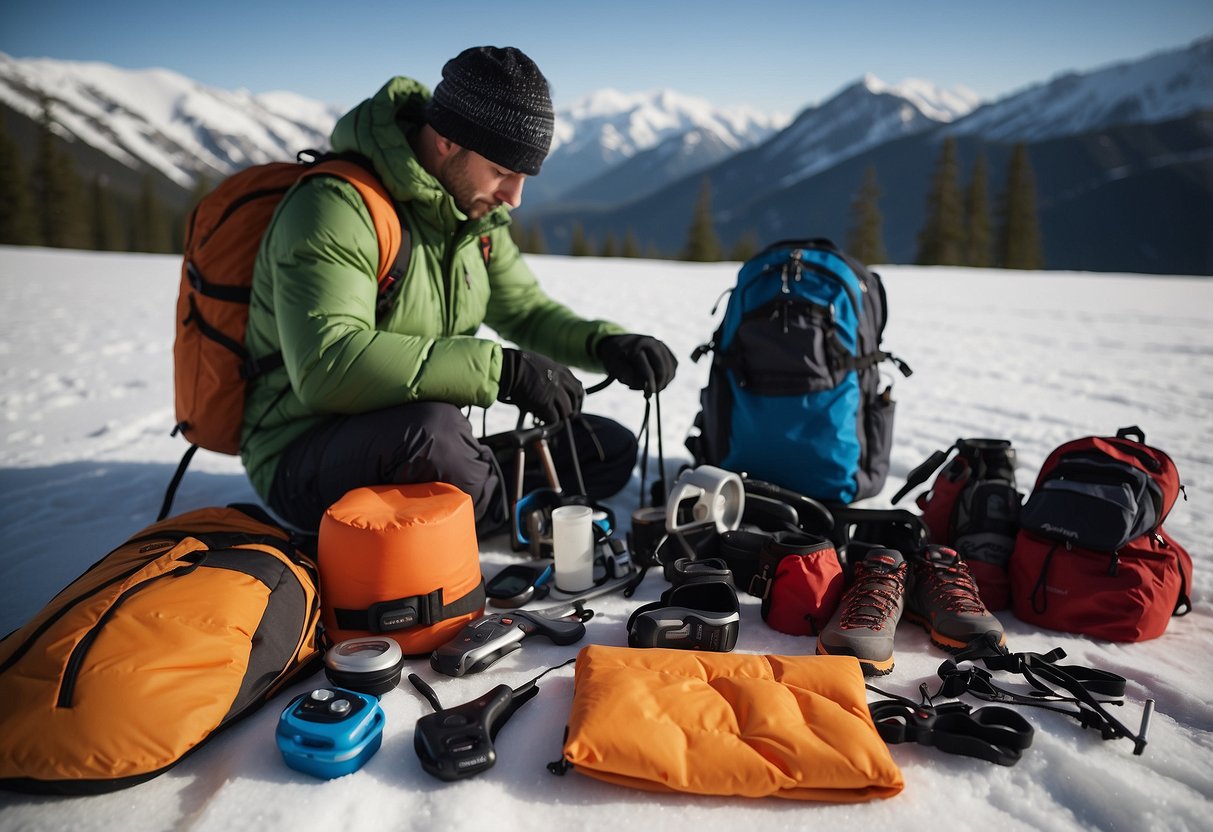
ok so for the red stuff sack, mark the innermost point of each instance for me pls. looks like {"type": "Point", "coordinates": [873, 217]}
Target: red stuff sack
{"type": "Point", "coordinates": [806, 587]}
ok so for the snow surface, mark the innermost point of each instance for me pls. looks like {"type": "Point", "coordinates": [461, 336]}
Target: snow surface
{"type": "Point", "coordinates": [1040, 358]}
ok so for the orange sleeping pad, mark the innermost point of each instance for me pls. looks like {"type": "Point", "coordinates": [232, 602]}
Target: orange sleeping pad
{"type": "Point", "coordinates": [795, 727]}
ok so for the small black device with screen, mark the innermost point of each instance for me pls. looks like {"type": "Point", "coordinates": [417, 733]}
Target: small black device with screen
{"type": "Point", "coordinates": [519, 583]}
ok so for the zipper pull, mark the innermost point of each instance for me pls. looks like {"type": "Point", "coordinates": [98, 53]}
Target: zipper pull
{"type": "Point", "coordinates": [1114, 564]}
{"type": "Point", "coordinates": [783, 279]}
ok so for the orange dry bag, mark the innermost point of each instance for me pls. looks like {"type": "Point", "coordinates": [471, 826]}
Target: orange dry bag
{"type": "Point", "coordinates": [400, 560]}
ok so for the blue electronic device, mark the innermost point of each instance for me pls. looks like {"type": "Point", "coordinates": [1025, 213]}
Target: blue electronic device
{"type": "Point", "coordinates": [329, 732]}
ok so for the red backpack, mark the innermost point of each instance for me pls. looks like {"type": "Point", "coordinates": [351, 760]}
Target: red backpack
{"type": "Point", "coordinates": [1091, 555]}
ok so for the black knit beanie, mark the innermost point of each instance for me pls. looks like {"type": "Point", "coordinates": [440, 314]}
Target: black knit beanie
{"type": "Point", "coordinates": [496, 102]}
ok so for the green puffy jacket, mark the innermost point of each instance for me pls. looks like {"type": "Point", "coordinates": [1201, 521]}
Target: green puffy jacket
{"type": "Point", "coordinates": [315, 291]}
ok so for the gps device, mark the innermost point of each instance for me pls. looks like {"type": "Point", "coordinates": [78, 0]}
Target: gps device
{"type": "Point", "coordinates": [486, 640]}
{"type": "Point", "coordinates": [519, 583]}
{"type": "Point", "coordinates": [330, 732]}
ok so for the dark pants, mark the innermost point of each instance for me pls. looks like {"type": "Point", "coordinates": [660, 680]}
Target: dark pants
{"type": "Point", "coordinates": [433, 442]}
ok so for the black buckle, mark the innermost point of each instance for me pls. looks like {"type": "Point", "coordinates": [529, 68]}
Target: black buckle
{"type": "Point", "coordinates": [400, 614]}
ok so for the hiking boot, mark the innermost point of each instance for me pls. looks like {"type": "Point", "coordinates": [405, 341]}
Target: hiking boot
{"type": "Point", "coordinates": [943, 598]}
{"type": "Point", "coordinates": [867, 615]}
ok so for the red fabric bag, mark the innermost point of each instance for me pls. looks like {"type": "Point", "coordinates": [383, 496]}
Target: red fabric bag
{"type": "Point", "coordinates": [1091, 555]}
{"type": "Point", "coordinates": [807, 586]}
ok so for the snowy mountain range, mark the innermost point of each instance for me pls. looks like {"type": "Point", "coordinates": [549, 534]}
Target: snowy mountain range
{"type": "Point", "coordinates": [1122, 155]}
{"type": "Point", "coordinates": [1154, 89]}
{"type": "Point", "coordinates": [624, 160]}
{"type": "Point", "coordinates": [677, 133]}
{"type": "Point", "coordinates": [183, 129]}
{"type": "Point", "coordinates": [158, 118]}
{"type": "Point", "coordinates": [860, 116]}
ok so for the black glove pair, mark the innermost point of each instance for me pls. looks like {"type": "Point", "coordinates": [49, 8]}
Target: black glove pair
{"type": "Point", "coordinates": [640, 362]}
{"type": "Point", "coordinates": [539, 385]}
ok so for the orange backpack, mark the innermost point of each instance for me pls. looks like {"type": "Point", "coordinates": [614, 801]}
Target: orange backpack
{"type": "Point", "coordinates": [191, 624]}
{"type": "Point", "coordinates": [210, 363]}
{"type": "Point", "coordinates": [211, 367]}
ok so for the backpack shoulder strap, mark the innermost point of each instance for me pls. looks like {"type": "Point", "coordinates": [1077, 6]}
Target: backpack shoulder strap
{"type": "Point", "coordinates": [388, 228]}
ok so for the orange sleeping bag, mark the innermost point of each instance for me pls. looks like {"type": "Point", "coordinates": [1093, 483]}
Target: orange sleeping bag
{"type": "Point", "coordinates": [795, 727]}
{"type": "Point", "coordinates": [400, 560]}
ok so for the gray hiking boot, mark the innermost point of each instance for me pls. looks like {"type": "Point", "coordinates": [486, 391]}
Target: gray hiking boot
{"type": "Point", "coordinates": [867, 615]}
{"type": "Point", "coordinates": [943, 598]}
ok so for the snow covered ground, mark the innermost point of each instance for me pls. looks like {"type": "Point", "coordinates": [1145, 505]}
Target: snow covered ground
{"type": "Point", "coordinates": [1039, 358]}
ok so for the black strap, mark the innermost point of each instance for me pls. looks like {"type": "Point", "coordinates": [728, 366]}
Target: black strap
{"type": "Point", "coordinates": [920, 474]}
{"type": "Point", "coordinates": [413, 611]}
{"type": "Point", "coordinates": [393, 281]}
{"type": "Point", "coordinates": [1040, 590]}
{"type": "Point", "coordinates": [171, 492]}
{"type": "Point", "coordinates": [995, 734]}
{"type": "Point", "coordinates": [199, 283]}
{"type": "Point", "coordinates": [1049, 681]}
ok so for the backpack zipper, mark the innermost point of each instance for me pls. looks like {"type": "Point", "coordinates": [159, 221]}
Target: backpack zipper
{"type": "Point", "coordinates": [79, 653]}
{"type": "Point", "coordinates": [71, 670]}
{"type": "Point", "coordinates": [17, 654]}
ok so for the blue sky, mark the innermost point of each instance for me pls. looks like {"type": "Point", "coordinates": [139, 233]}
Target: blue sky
{"type": "Point", "coordinates": [775, 56]}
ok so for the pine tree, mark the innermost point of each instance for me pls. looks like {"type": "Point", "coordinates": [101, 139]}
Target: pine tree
{"type": "Point", "coordinates": [56, 188]}
{"type": "Point", "coordinates": [1019, 241]}
{"type": "Point", "coordinates": [941, 238]}
{"type": "Point", "coordinates": [518, 234]}
{"type": "Point", "coordinates": [631, 246]}
{"type": "Point", "coordinates": [978, 243]}
{"type": "Point", "coordinates": [107, 232]}
{"type": "Point", "coordinates": [745, 247]}
{"type": "Point", "coordinates": [153, 227]}
{"type": "Point", "coordinates": [202, 187]}
{"type": "Point", "coordinates": [865, 242]}
{"type": "Point", "coordinates": [702, 246]}
{"type": "Point", "coordinates": [536, 244]}
{"type": "Point", "coordinates": [17, 226]}
{"type": "Point", "coordinates": [579, 244]}
{"type": "Point", "coordinates": [610, 246]}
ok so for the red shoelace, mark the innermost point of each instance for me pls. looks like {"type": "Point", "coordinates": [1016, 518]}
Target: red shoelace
{"type": "Point", "coordinates": [871, 600]}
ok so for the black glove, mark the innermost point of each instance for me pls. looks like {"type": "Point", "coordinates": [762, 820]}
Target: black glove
{"type": "Point", "coordinates": [539, 385]}
{"type": "Point", "coordinates": [639, 361]}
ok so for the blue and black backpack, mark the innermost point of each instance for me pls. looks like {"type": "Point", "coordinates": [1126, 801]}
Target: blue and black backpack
{"type": "Point", "coordinates": [794, 395]}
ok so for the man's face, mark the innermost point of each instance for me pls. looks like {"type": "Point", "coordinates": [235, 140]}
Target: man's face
{"type": "Point", "coordinates": [478, 185]}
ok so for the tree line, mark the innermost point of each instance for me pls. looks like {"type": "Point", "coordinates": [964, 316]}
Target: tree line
{"type": "Point", "coordinates": [961, 226]}
{"type": "Point", "coordinates": [46, 202]}
{"type": "Point", "coordinates": [53, 206]}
